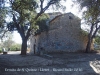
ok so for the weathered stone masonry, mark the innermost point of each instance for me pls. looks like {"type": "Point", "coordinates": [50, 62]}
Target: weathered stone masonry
{"type": "Point", "coordinates": [64, 34]}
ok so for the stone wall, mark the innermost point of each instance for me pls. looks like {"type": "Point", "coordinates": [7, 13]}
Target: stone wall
{"type": "Point", "coordinates": [64, 34]}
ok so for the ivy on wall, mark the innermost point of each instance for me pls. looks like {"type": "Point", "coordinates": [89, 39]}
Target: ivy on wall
{"type": "Point", "coordinates": [42, 24]}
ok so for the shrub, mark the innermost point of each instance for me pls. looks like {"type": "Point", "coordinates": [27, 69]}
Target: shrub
{"type": "Point", "coordinates": [15, 47]}
{"type": "Point", "coordinates": [0, 50]}
{"type": "Point", "coordinates": [85, 33]}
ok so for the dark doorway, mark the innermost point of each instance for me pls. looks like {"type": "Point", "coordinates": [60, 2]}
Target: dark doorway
{"type": "Point", "coordinates": [34, 48]}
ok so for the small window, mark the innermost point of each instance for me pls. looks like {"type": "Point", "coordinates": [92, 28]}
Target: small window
{"type": "Point", "coordinates": [35, 40]}
{"type": "Point", "coordinates": [70, 17]}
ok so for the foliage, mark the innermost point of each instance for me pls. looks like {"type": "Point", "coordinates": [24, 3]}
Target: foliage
{"type": "Point", "coordinates": [9, 44]}
{"type": "Point", "coordinates": [2, 17]}
{"type": "Point", "coordinates": [3, 13]}
{"type": "Point", "coordinates": [15, 47]}
{"type": "Point", "coordinates": [7, 37]}
{"type": "Point", "coordinates": [97, 40]}
{"type": "Point", "coordinates": [7, 41]}
{"type": "Point", "coordinates": [91, 14]}
{"type": "Point", "coordinates": [91, 6]}
{"type": "Point", "coordinates": [85, 33]}
{"type": "Point", "coordinates": [92, 17]}
{"type": "Point", "coordinates": [25, 17]}
{"type": "Point", "coordinates": [0, 50]}
{"type": "Point", "coordinates": [2, 3]}
{"type": "Point", "coordinates": [42, 23]}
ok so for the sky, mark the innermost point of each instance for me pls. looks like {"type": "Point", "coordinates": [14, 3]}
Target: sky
{"type": "Point", "coordinates": [16, 37]}
{"type": "Point", "coordinates": [69, 8]}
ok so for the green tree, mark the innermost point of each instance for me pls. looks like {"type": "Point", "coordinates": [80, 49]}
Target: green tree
{"type": "Point", "coordinates": [2, 3]}
{"type": "Point", "coordinates": [15, 47]}
{"type": "Point", "coordinates": [3, 12]}
{"type": "Point", "coordinates": [92, 17]}
{"type": "Point", "coordinates": [97, 40]}
{"type": "Point", "coordinates": [42, 23]}
{"type": "Point", "coordinates": [25, 16]}
{"type": "Point", "coordinates": [7, 41]}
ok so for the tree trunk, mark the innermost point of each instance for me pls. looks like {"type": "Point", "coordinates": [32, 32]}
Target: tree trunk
{"type": "Point", "coordinates": [24, 47]}
{"type": "Point", "coordinates": [88, 47]}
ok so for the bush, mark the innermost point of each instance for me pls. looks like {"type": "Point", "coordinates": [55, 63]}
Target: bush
{"type": "Point", "coordinates": [85, 33]}
{"type": "Point", "coordinates": [0, 50]}
{"type": "Point", "coordinates": [15, 47]}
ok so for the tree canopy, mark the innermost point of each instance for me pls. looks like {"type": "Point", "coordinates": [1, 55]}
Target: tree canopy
{"type": "Point", "coordinates": [27, 15]}
{"type": "Point", "coordinates": [92, 12]}
{"type": "Point", "coordinates": [91, 16]}
{"type": "Point", "coordinates": [3, 12]}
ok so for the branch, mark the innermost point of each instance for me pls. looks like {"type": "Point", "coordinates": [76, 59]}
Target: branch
{"type": "Point", "coordinates": [10, 1]}
{"type": "Point", "coordinates": [15, 22]}
{"type": "Point", "coordinates": [16, 6]}
{"type": "Point", "coordinates": [21, 18]}
{"type": "Point", "coordinates": [91, 31]}
{"type": "Point", "coordinates": [45, 8]}
{"type": "Point", "coordinates": [39, 14]}
{"type": "Point", "coordinates": [52, 2]}
{"type": "Point", "coordinates": [96, 22]}
{"type": "Point", "coordinates": [4, 33]}
{"type": "Point", "coordinates": [28, 33]}
{"type": "Point", "coordinates": [41, 5]}
{"type": "Point", "coordinates": [95, 31]}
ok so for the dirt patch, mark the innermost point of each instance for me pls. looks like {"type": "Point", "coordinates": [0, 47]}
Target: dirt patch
{"type": "Point", "coordinates": [51, 64]}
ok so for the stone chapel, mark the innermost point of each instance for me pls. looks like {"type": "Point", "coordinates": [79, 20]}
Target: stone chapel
{"type": "Point", "coordinates": [64, 35]}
